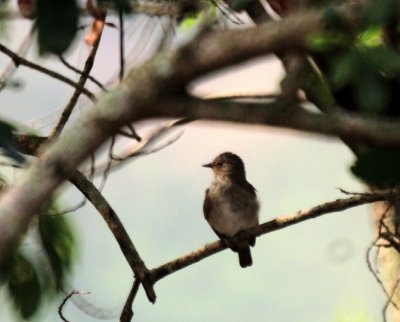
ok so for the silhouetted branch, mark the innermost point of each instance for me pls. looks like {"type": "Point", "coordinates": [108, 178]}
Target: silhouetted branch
{"type": "Point", "coordinates": [276, 224]}
{"type": "Point", "coordinates": [18, 60]}
{"type": "Point", "coordinates": [65, 300]}
{"type": "Point", "coordinates": [80, 72]}
{"type": "Point", "coordinates": [30, 145]}
{"type": "Point", "coordinates": [114, 224]}
{"type": "Point", "coordinates": [127, 313]}
{"type": "Point", "coordinates": [78, 90]}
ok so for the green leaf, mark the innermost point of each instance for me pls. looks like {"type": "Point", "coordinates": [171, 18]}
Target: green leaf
{"type": "Point", "coordinates": [380, 12]}
{"type": "Point", "coordinates": [371, 37]}
{"type": "Point", "coordinates": [378, 166]}
{"type": "Point", "coordinates": [334, 19]}
{"type": "Point", "coordinates": [24, 286]}
{"type": "Point", "coordinates": [344, 69]}
{"type": "Point", "coordinates": [239, 5]}
{"type": "Point", "coordinates": [372, 93]}
{"type": "Point", "coordinates": [57, 24]}
{"type": "Point", "coordinates": [59, 244]}
{"type": "Point", "coordinates": [383, 59]}
{"type": "Point", "coordinates": [7, 143]}
{"type": "Point", "coordinates": [329, 41]}
{"type": "Point", "coordinates": [190, 21]}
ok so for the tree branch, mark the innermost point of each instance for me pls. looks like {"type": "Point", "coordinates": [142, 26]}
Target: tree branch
{"type": "Point", "coordinates": [30, 145]}
{"type": "Point", "coordinates": [18, 60]}
{"type": "Point", "coordinates": [117, 228]}
{"type": "Point", "coordinates": [276, 224]}
{"type": "Point", "coordinates": [354, 127]}
{"type": "Point", "coordinates": [127, 313]}
{"type": "Point", "coordinates": [78, 90]}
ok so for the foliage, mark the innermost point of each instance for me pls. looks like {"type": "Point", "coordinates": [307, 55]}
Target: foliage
{"type": "Point", "coordinates": [30, 278]}
{"type": "Point", "coordinates": [57, 24]}
{"type": "Point", "coordinates": [378, 166]}
{"type": "Point", "coordinates": [7, 144]}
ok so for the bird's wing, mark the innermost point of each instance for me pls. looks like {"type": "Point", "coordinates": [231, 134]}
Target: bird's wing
{"type": "Point", "coordinates": [249, 188]}
{"type": "Point", "coordinates": [207, 205]}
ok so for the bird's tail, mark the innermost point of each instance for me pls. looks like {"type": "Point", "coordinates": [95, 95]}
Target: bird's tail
{"type": "Point", "coordinates": [245, 257]}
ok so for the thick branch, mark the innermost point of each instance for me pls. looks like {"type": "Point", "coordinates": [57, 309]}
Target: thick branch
{"type": "Point", "coordinates": [278, 223]}
{"type": "Point", "coordinates": [354, 127]}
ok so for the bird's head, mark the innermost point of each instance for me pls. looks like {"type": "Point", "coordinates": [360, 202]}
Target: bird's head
{"type": "Point", "coordinates": [227, 165]}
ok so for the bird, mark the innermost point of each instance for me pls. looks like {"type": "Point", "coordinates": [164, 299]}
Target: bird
{"type": "Point", "coordinates": [231, 206]}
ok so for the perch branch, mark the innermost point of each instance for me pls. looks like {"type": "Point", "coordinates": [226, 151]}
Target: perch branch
{"type": "Point", "coordinates": [276, 224]}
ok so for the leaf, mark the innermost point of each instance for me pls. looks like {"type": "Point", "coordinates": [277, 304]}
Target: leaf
{"type": "Point", "coordinates": [383, 59]}
{"type": "Point", "coordinates": [7, 142]}
{"type": "Point", "coordinates": [344, 69]}
{"type": "Point", "coordinates": [334, 19]}
{"type": "Point", "coordinates": [190, 21]}
{"type": "Point", "coordinates": [23, 286]}
{"type": "Point", "coordinates": [380, 12]}
{"type": "Point", "coordinates": [239, 5]}
{"type": "Point", "coordinates": [371, 37]}
{"type": "Point", "coordinates": [378, 166]}
{"type": "Point", "coordinates": [372, 93]}
{"type": "Point", "coordinates": [57, 24]}
{"type": "Point", "coordinates": [59, 244]}
{"type": "Point", "coordinates": [329, 40]}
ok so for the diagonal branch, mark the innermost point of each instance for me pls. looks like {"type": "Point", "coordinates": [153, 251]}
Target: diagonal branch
{"type": "Point", "coordinates": [78, 90]}
{"type": "Point", "coordinates": [276, 224]}
{"type": "Point", "coordinates": [76, 70]}
{"type": "Point", "coordinates": [18, 60]}
{"type": "Point", "coordinates": [89, 190]}
{"type": "Point", "coordinates": [30, 145]}
{"type": "Point", "coordinates": [127, 313]}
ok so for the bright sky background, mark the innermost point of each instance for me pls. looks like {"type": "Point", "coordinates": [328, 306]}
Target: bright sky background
{"type": "Point", "coordinates": [314, 271]}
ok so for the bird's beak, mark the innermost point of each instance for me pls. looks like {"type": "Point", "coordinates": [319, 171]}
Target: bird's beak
{"type": "Point", "coordinates": [208, 165]}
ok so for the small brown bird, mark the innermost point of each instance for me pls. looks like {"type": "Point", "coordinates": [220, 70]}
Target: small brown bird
{"type": "Point", "coordinates": [231, 205]}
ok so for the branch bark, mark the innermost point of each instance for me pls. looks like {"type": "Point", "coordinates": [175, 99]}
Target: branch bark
{"type": "Point", "coordinates": [276, 224]}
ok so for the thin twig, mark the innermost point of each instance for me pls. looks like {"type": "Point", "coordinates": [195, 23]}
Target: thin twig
{"type": "Point", "coordinates": [11, 67]}
{"type": "Point", "coordinates": [81, 83]}
{"type": "Point", "coordinates": [78, 206]}
{"type": "Point", "coordinates": [390, 300]}
{"type": "Point", "coordinates": [80, 72]}
{"type": "Point", "coordinates": [65, 300]}
{"type": "Point", "coordinates": [145, 147]}
{"type": "Point", "coordinates": [127, 313]}
{"type": "Point", "coordinates": [121, 44]}
{"type": "Point", "coordinates": [18, 60]}
{"type": "Point", "coordinates": [374, 273]}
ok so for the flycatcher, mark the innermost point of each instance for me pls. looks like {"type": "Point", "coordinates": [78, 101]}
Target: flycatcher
{"type": "Point", "coordinates": [231, 205]}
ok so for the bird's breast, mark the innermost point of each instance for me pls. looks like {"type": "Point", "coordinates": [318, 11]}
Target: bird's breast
{"type": "Point", "coordinates": [233, 209]}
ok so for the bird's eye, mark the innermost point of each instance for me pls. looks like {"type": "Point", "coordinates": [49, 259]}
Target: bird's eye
{"type": "Point", "coordinates": [219, 164]}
